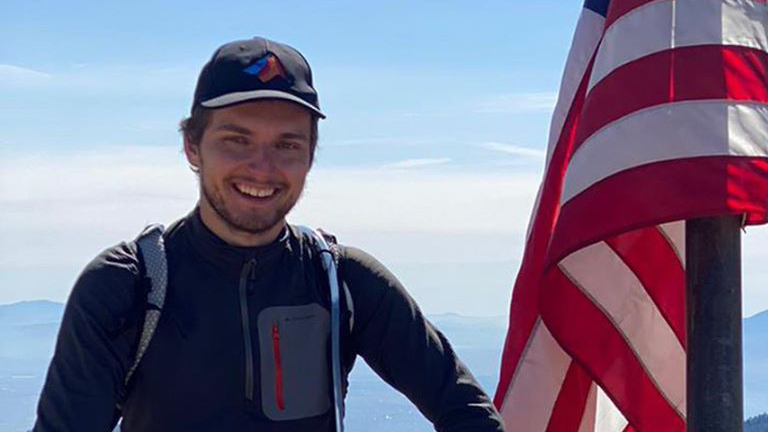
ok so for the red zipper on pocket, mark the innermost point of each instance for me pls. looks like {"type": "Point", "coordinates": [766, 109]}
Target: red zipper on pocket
{"type": "Point", "coordinates": [278, 367]}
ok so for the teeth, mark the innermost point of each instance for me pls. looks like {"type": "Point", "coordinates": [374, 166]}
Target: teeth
{"type": "Point", "coordinates": [255, 192]}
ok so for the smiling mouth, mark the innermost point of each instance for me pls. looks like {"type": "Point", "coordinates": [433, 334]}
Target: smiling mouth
{"type": "Point", "coordinates": [255, 192]}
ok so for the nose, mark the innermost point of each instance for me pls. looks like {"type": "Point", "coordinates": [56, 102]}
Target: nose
{"type": "Point", "coordinates": [260, 158]}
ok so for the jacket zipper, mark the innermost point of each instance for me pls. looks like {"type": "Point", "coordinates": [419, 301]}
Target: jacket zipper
{"type": "Point", "coordinates": [278, 367]}
{"type": "Point", "coordinates": [247, 274]}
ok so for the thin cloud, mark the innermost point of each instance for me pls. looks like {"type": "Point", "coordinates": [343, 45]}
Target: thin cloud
{"type": "Point", "coordinates": [381, 141]}
{"type": "Point", "coordinates": [110, 193]}
{"type": "Point", "coordinates": [417, 163]}
{"type": "Point", "coordinates": [10, 74]}
{"type": "Point", "coordinates": [515, 103]}
{"type": "Point", "coordinates": [513, 149]}
{"type": "Point", "coordinates": [152, 79]}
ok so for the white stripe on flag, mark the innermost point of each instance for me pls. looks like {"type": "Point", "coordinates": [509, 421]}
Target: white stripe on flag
{"type": "Point", "coordinates": [744, 23]}
{"type": "Point", "coordinates": [711, 128]}
{"type": "Point", "coordinates": [648, 29]}
{"type": "Point", "coordinates": [589, 29]}
{"type": "Point", "coordinates": [600, 414]}
{"type": "Point", "coordinates": [585, 40]}
{"type": "Point", "coordinates": [613, 287]}
{"type": "Point", "coordinates": [675, 234]}
{"type": "Point", "coordinates": [639, 33]}
{"type": "Point", "coordinates": [608, 418]}
{"type": "Point", "coordinates": [590, 409]}
{"type": "Point", "coordinates": [533, 392]}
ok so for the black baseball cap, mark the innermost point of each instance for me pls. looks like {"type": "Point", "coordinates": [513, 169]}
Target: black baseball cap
{"type": "Point", "coordinates": [252, 69]}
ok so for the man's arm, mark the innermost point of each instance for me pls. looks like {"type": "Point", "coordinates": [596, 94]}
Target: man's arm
{"type": "Point", "coordinates": [398, 342]}
{"type": "Point", "coordinates": [93, 347]}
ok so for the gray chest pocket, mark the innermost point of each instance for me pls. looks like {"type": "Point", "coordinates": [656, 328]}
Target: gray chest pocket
{"type": "Point", "coordinates": [294, 361]}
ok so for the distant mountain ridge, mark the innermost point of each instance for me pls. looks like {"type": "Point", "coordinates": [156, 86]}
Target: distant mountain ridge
{"type": "Point", "coordinates": [756, 364]}
{"type": "Point", "coordinates": [28, 329]}
{"type": "Point", "coordinates": [28, 332]}
{"type": "Point", "coordinates": [30, 312]}
{"type": "Point", "coordinates": [757, 424]}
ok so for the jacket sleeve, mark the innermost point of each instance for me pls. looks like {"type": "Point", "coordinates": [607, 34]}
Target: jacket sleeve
{"type": "Point", "coordinates": [94, 344]}
{"type": "Point", "coordinates": [398, 342]}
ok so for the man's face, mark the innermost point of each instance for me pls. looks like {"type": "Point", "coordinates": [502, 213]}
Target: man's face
{"type": "Point", "coordinates": [253, 159]}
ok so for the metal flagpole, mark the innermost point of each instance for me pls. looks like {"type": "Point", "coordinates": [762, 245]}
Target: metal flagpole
{"type": "Point", "coordinates": [713, 293]}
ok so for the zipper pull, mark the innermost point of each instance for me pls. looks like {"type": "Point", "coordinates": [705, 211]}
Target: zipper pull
{"type": "Point", "coordinates": [279, 396]}
{"type": "Point", "coordinates": [252, 269]}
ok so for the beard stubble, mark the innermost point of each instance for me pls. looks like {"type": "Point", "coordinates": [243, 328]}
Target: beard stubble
{"type": "Point", "coordinates": [251, 224]}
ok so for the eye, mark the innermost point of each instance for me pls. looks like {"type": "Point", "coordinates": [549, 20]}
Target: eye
{"type": "Point", "coordinates": [288, 145]}
{"type": "Point", "coordinates": [235, 139]}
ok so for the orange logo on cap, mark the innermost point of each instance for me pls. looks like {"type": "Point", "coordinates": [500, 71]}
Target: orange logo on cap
{"type": "Point", "coordinates": [266, 68]}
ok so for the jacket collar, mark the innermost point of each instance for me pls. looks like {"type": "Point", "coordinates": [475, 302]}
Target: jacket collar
{"type": "Point", "coordinates": [228, 257]}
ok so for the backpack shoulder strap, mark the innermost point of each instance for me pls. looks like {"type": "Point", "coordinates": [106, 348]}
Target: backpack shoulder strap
{"type": "Point", "coordinates": [152, 250]}
{"type": "Point", "coordinates": [329, 258]}
{"type": "Point", "coordinates": [335, 249]}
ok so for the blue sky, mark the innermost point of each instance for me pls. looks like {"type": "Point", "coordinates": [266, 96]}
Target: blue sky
{"type": "Point", "coordinates": [438, 114]}
{"type": "Point", "coordinates": [432, 73]}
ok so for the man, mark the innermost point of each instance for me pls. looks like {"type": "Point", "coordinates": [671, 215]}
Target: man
{"type": "Point", "coordinates": [242, 342]}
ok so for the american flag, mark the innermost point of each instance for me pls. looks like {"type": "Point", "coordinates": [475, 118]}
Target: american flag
{"type": "Point", "coordinates": [662, 116]}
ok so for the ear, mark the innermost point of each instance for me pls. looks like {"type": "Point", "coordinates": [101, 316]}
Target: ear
{"type": "Point", "coordinates": [193, 152]}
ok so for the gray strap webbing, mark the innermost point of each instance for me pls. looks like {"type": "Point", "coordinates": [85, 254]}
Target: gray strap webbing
{"type": "Point", "coordinates": [152, 249]}
{"type": "Point", "coordinates": [329, 263]}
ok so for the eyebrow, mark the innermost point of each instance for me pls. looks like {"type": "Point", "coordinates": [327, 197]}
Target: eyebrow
{"type": "Point", "coordinates": [294, 135]}
{"type": "Point", "coordinates": [245, 131]}
{"type": "Point", "coordinates": [234, 128]}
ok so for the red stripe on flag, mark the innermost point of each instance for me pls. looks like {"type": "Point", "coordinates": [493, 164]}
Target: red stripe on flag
{"type": "Point", "coordinates": [655, 263]}
{"type": "Point", "coordinates": [592, 339]}
{"type": "Point", "coordinates": [733, 73]}
{"type": "Point", "coordinates": [571, 401]}
{"type": "Point", "coordinates": [619, 8]}
{"type": "Point", "coordinates": [746, 70]}
{"type": "Point", "coordinates": [662, 192]}
{"type": "Point", "coordinates": [522, 316]}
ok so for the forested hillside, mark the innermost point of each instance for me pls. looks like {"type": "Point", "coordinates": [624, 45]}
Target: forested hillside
{"type": "Point", "coordinates": [757, 424]}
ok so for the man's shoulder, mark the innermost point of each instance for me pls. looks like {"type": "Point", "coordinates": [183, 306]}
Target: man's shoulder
{"type": "Point", "coordinates": [115, 266]}
{"type": "Point", "coordinates": [123, 260]}
{"type": "Point", "coordinates": [359, 268]}
{"type": "Point", "coordinates": [105, 291]}
{"type": "Point", "coordinates": [362, 271]}
{"type": "Point", "coordinates": [108, 288]}
{"type": "Point", "coordinates": [346, 252]}
{"type": "Point", "coordinates": [120, 259]}
{"type": "Point", "coordinates": [356, 256]}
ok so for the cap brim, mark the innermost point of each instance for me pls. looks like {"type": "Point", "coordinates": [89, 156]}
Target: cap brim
{"type": "Point", "coordinates": [237, 97]}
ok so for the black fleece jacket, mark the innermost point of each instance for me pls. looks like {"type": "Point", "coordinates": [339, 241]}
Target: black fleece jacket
{"type": "Point", "coordinates": [196, 374]}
